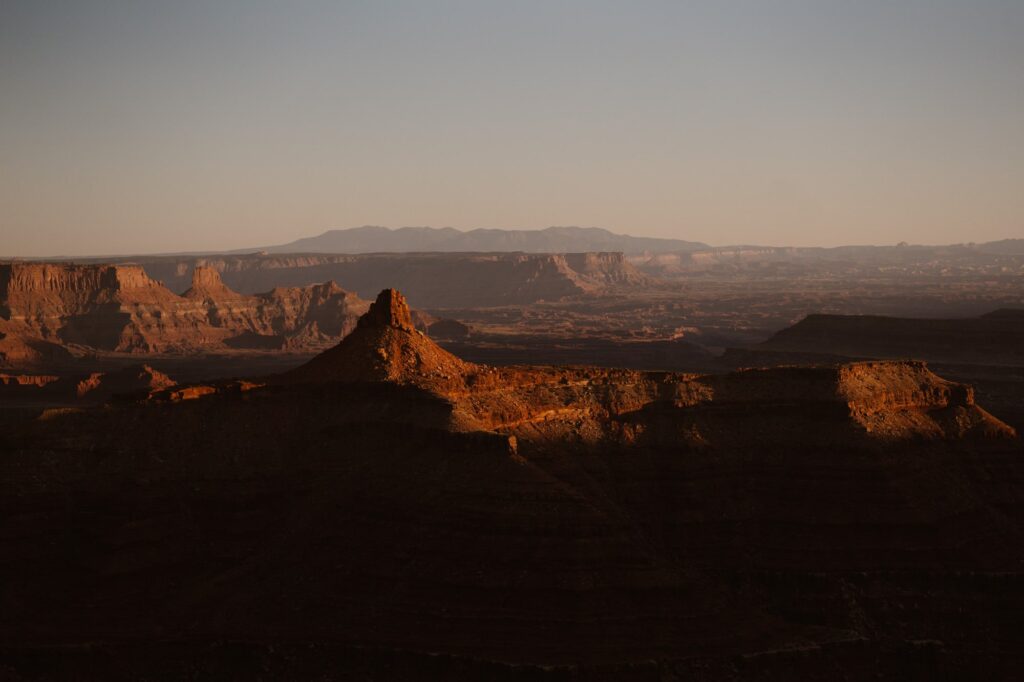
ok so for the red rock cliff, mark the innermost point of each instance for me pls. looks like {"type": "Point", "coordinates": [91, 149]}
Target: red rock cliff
{"type": "Point", "coordinates": [858, 400]}
{"type": "Point", "coordinates": [121, 309]}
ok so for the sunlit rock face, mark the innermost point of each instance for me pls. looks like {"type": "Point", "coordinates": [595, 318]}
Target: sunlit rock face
{"type": "Point", "coordinates": [877, 400]}
{"type": "Point", "coordinates": [48, 309]}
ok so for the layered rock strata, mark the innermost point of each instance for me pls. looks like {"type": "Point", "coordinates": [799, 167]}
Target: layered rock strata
{"type": "Point", "coordinates": [47, 309]}
{"type": "Point", "coordinates": [432, 280]}
{"type": "Point", "coordinates": [587, 404]}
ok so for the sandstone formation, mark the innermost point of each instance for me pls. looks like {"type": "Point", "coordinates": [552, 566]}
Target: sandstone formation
{"type": "Point", "coordinates": [385, 346]}
{"type": "Point", "coordinates": [47, 309]}
{"type": "Point", "coordinates": [876, 399]}
{"type": "Point", "coordinates": [103, 307]}
{"type": "Point", "coordinates": [292, 318]}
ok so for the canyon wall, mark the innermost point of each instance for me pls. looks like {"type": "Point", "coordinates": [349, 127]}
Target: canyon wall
{"type": "Point", "coordinates": [431, 280]}
{"type": "Point", "coordinates": [47, 309]}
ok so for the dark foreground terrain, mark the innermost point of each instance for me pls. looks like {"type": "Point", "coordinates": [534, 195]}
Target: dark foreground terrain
{"type": "Point", "coordinates": [391, 511]}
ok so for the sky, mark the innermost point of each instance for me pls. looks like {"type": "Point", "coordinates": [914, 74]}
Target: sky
{"type": "Point", "coordinates": [152, 126]}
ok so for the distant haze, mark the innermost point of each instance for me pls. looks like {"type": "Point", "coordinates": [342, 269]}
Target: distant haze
{"type": "Point", "coordinates": [132, 127]}
{"type": "Point", "coordinates": [369, 239]}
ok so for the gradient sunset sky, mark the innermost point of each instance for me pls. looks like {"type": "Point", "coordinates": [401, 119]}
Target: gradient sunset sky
{"type": "Point", "coordinates": [146, 126]}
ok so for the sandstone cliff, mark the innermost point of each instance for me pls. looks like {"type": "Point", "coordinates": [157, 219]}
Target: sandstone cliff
{"type": "Point", "coordinates": [105, 307]}
{"type": "Point", "coordinates": [294, 318]}
{"type": "Point", "coordinates": [887, 400]}
{"type": "Point", "coordinates": [46, 309]}
{"type": "Point", "coordinates": [432, 280]}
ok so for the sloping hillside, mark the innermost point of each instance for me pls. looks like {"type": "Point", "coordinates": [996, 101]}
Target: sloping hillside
{"type": "Point", "coordinates": [994, 338]}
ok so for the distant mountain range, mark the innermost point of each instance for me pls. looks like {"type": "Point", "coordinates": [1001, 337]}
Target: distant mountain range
{"type": "Point", "coordinates": [370, 239]}
{"type": "Point", "coordinates": [376, 240]}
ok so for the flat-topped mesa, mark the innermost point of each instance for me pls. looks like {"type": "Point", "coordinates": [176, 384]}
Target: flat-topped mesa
{"type": "Point", "coordinates": [207, 284]}
{"type": "Point", "coordinates": [55, 290]}
{"type": "Point", "coordinates": [812, 406]}
{"type": "Point", "coordinates": [385, 346]}
{"type": "Point", "coordinates": [817, 405]}
{"type": "Point", "coordinates": [899, 399]}
{"type": "Point", "coordinates": [888, 399]}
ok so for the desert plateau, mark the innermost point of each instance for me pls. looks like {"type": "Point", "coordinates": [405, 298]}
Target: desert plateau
{"type": "Point", "coordinates": [547, 340]}
{"type": "Point", "coordinates": [589, 468]}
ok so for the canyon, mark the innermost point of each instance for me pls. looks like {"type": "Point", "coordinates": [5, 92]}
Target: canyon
{"type": "Point", "coordinates": [389, 508]}
{"type": "Point", "coordinates": [655, 311]}
{"type": "Point", "coordinates": [729, 464]}
{"type": "Point", "coordinates": [436, 280]}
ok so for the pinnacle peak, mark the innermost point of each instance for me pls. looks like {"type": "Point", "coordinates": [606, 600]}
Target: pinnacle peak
{"type": "Point", "coordinates": [385, 346]}
{"type": "Point", "coordinates": [389, 310]}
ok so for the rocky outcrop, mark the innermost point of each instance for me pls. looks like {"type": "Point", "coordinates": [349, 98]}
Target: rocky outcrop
{"type": "Point", "coordinates": [103, 307]}
{"type": "Point", "coordinates": [46, 309]}
{"type": "Point", "coordinates": [881, 400]}
{"type": "Point", "coordinates": [106, 307]}
{"type": "Point", "coordinates": [285, 318]}
{"type": "Point", "coordinates": [386, 346]}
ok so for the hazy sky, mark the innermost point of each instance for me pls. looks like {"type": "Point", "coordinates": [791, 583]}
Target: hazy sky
{"type": "Point", "coordinates": [179, 125]}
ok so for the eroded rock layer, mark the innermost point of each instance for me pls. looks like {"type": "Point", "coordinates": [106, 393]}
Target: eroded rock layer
{"type": "Point", "coordinates": [432, 280]}
{"type": "Point", "coordinates": [857, 521]}
{"type": "Point", "coordinates": [588, 404]}
{"type": "Point", "coordinates": [45, 309]}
